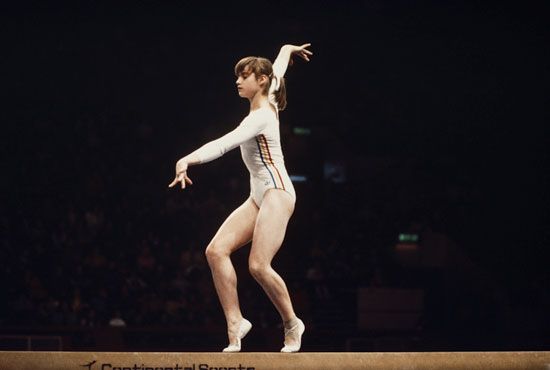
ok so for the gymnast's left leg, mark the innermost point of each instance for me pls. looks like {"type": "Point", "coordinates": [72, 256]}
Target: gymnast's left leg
{"type": "Point", "coordinates": [275, 212]}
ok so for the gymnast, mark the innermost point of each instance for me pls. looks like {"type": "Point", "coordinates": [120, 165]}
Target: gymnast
{"type": "Point", "coordinates": [264, 216]}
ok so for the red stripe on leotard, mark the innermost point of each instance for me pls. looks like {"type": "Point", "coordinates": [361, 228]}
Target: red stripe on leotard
{"type": "Point", "coordinates": [265, 146]}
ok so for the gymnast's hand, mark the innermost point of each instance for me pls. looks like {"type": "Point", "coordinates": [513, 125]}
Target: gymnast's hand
{"type": "Point", "coordinates": [301, 51]}
{"type": "Point", "coordinates": [181, 174]}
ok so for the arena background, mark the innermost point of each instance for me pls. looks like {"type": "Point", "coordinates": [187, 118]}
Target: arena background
{"type": "Point", "coordinates": [416, 136]}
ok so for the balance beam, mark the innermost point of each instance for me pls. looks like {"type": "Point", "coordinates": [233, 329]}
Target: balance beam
{"type": "Point", "coordinates": [15, 360]}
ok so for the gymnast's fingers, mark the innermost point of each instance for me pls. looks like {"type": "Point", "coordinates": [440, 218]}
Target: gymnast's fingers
{"type": "Point", "coordinates": [181, 178]}
{"type": "Point", "coordinates": [188, 180]}
{"type": "Point", "coordinates": [173, 182]}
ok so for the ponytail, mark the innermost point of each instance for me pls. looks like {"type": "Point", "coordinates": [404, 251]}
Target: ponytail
{"type": "Point", "coordinates": [280, 95]}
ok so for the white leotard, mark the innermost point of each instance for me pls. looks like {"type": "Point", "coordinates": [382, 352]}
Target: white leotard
{"type": "Point", "coordinates": [259, 139]}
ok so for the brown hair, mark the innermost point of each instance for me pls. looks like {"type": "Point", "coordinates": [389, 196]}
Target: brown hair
{"type": "Point", "coordinates": [262, 66]}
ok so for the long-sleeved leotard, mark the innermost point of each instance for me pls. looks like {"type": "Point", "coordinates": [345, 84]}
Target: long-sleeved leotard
{"type": "Point", "coordinates": [259, 138]}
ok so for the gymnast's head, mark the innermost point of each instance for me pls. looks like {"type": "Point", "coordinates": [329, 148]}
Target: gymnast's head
{"type": "Point", "coordinates": [255, 74]}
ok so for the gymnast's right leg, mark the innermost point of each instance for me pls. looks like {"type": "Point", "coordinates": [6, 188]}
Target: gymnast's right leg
{"type": "Point", "coordinates": [235, 232]}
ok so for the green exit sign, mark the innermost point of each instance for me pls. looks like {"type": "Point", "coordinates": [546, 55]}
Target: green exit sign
{"type": "Point", "coordinates": [408, 238]}
{"type": "Point", "coordinates": [301, 131]}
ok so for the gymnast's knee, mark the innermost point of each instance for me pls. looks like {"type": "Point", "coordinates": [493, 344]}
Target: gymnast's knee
{"type": "Point", "coordinates": [258, 270]}
{"type": "Point", "coordinates": [215, 251]}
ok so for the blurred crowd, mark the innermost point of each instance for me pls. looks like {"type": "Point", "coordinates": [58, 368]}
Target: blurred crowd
{"type": "Point", "coordinates": [92, 236]}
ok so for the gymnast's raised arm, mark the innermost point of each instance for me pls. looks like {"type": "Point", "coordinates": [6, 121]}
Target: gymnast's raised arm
{"type": "Point", "coordinates": [284, 59]}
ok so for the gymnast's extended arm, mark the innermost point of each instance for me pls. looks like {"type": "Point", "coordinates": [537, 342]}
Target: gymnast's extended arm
{"type": "Point", "coordinates": [249, 128]}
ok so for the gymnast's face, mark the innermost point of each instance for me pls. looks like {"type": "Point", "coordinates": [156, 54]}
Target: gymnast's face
{"type": "Point", "coordinates": [247, 84]}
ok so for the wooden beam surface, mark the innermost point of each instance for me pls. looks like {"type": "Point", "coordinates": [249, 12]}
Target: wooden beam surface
{"type": "Point", "coordinates": [273, 360]}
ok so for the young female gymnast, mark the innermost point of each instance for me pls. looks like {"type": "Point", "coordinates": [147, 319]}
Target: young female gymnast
{"type": "Point", "coordinates": [264, 216]}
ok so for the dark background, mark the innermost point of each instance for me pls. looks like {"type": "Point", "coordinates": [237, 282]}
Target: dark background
{"type": "Point", "coordinates": [434, 110]}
